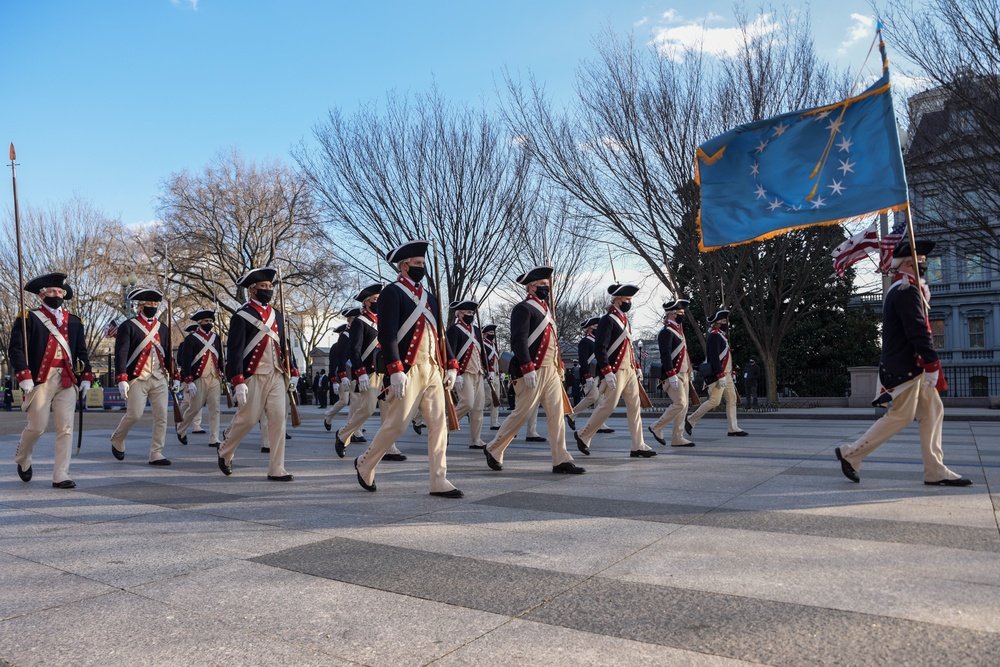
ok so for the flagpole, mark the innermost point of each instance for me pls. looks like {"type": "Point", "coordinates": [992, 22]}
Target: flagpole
{"type": "Point", "coordinates": [20, 255]}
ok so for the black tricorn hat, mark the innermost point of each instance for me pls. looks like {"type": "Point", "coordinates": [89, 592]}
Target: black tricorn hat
{"type": "Point", "coordinates": [191, 328]}
{"type": "Point", "coordinates": [592, 322]}
{"type": "Point", "coordinates": [408, 250]}
{"type": "Point", "coordinates": [466, 304]}
{"type": "Point", "coordinates": [676, 304]}
{"type": "Point", "coordinates": [69, 292]}
{"type": "Point", "coordinates": [202, 314]}
{"type": "Point", "coordinates": [622, 290]}
{"type": "Point", "coordinates": [371, 290]}
{"type": "Point", "coordinates": [719, 314]}
{"type": "Point", "coordinates": [537, 273]}
{"type": "Point", "coordinates": [145, 294]}
{"type": "Point", "coordinates": [902, 249]}
{"type": "Point", "coordinates": [489, 327]}
{"type": "Point", "coordinates": [36, 285]}
{"type": "Point", "coordinates": [350, 311]}
{"type": "Point", "coordinates": [340, 328]}
{"type": "Point", "coordinates": [263, 274]}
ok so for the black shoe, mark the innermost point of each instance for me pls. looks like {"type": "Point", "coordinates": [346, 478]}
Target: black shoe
{"type": "Point", "coordinates": [568, 468]}
{"type": "Point", "coordinates": [280, 478]}
{"type": "Point", "coordinates": [215, 444]}
{"type": "Point", "coordinates": [339, 445]}
{"type": "Point", "coordinates": [25, 475]}
{"type": "Point", "coordinates": [738, 434]}
{"type": "Point", "coordinates": [394, 457]}
{"type": "Point", "coordinates": [327, 425]}
{"type": "Point", "coordinates": [417, 428]}
{"type": "Point", "coordinates": [160, 462]}
{"type": "Point", "coordinates": [535, 438]}
{"type": "Point", "coordinates": [961, 481]}
{"type": "Point", "coordinates": [226, 468]}
{"type": "Point", "coordinates": [358, 438]}
{"type": "Point", "coordinates": [687, 427]}
{"type": "Point", "coordinates": [846, 468]}
{"type": "Point", "coordinates": [605, 430]}
{"type": "Point", "coordinates": [265, 450]}
{"type": "Point", "coordinates": [117, 454]}
{"type": "Point", "coordinates": [658, 438]}
{"type": "Point", "coordinates": [580, 444]}
{"type": "Point", "coordinates": [477, 446]}
{"type": "Point", "coordinates": [642, 453]}
{"type": "Point", "coordinates": [183, 438]}
{"type": "Point", "coordinates": [492, 462]}
{"type": "Point", "coordinates": [494, 428]}
{"type": "Point", "coordinates": [199, 432]}
{"type": "Point", "coordinates": [361, 481]}
{"type": "Point", "coordinates": [571, 422]}
{"type": "Point", "coordinates": [454, 493]}
{"type": "Point", "coordinates": [65, 484]}
{"type": "Point", "coordinates": [288, 437]}
{"type": "Point", "coordinates": [684, 444]}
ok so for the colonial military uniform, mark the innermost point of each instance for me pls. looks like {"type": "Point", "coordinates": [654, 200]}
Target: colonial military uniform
{"type": "Point", "coordinates": [534, 342]}
{"type": "Point", "coordinates": [47, 366]}
{"type": "Point", "coordinates": [615, 357]}
{"type": "Point", "coordinates": [910, 377]}
{"type": "Point", "coordinates": [467, 341]}
{"type": "Point", "coordinates": [721, 380]}
{"type": "Point", "coordinates": [339, 373]}
{"type": "Point", "coordinates": [492, 358]}
{"type": "Point", "coordinates": [255, 357]}
{"type": "Point", "coordinates": [143, 368]}
{"type": "Point", "coordinates": [677, 365]}
{"type": "Point", "coordinates": [408, 334]}
{"type": "Point", "coordinates": [594, 388]}
{"type": "Point", "coordinates": [200, 357]}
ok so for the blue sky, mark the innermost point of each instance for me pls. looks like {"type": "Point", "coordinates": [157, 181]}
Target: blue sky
{"type": "Point", "coordinates": [106, 99]}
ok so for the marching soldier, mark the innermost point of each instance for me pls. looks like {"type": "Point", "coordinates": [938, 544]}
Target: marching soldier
{"type": "Point", "coordinates": [255, 364]}
{"type": "Point", "coordinates": [200, 358]}
{"type": "Point", "coordinates": [617, 364]}
{"type": "Point", "coordinates": [536, 374]}
{"type": "Point", "coordinates": [45, 368]}
{"type": "Point", "coordinates": [363, 350]}
{"type": "Point", "coordinates": [142, 368]}
{"type": "Point", "coordinates": [408, 333]}
{"type": "Point", "coordinates": [196, 422]}
{"type": "Point", "coordinates": [338, 374]}
{"type": "Point", "coordinates": [676, 374]}
{"type": "Point", "coordinates": [721, 379]}
{"type": "Point", "coordinates": [467, 341]}
{"type": "Point", "coordinates": [492, 358]}
{"type": "Point", "coordinates": [593, 388]}
{"type": "Point", "coordinates": [909, 373]}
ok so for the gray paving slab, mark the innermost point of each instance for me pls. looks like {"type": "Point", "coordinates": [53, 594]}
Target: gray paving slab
{"type": "Point", "coordinates": [31, 587]}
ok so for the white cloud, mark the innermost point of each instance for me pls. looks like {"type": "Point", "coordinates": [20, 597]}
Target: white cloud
{"type": "Point", "coordinates": [721, 42]}
{"type": "Point", "coordinates": [863, 28]}
{"type": "Point", "coordinates": [178, 3]}
{"type": "Point", "coordinates": [641, 22]}
{"type": "Point", "coordinates": [671, 16]}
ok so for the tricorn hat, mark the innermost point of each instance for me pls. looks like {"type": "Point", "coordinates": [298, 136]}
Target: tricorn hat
{"type": "Point", "coordinates": [676, 304]}
{"type": "Point", "coordinates": [408, 250]}
{"type": "Point", "coordinates": [340, 328]}
{"type": "Point", "coordinates": [902, 249]}
{"type": "Point", "coordinates": [591, 322]}
{"type": "Point", "coordinates": [145, 294]}
{"type": "Point", "coordinates": [371, 290]}
{"type": "Point", "coordinates": [466, 304]}
{"type": "Point", "coordinates": [36, 285]}
{"type": "Point", "coordinates": [350, 311]}
{"type": "Point", "coordinates": [537, 273]}
{"type": "Point", "coordinates": [69, 292]}
{"type": "Point", "coordinates": [489, 327]}
{"type": "Point", "coordinates": [204, 313]}
{"type": "Point", "coordinates": [719, 315]}
{"type": "Point", "coordinates": [263, 274]}
{"type": "Point", "coordinates": [622, 290]}
{"type": "Point", "coordinates": [191, 328]}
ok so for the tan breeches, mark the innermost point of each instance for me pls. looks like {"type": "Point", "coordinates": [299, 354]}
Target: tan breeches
{"type": "Point", "coordinates": [62, 402]}
{"type": "Point", "coordinates": [715, 396]}
{"type": "Point", "coordinates": [471, 401]}
{"type": "Point", "coordinates": [209, 392]}
{"type": "Point", "coordinates": [677, 410]}
{"type": "Point", "coordinates": [138, 392]}
{"type": "Point", "coordinates": [265, 397]}
{"type": "Point", "coordinates": [548, 394]}
{"type": "Point", "coordinates": [627, 387]}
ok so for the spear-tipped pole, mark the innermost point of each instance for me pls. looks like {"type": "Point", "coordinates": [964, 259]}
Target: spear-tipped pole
{"type": "Point", "coordinates": [286, 350]}
{"type": "Point", "coordinates": [614, 276]}
{"type": "Point", "coordinates": [20, 255]}
{"type": "Point", "coordinates": [567, 405]}
{"type": "Point", "coordinates": [171, 325]}
{"type": "Point", "coordinates": [449, 404]}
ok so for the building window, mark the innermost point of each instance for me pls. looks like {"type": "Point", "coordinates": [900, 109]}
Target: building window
{"type": "Point", "coordinates": [974, 266]}
{"type": "Point", "coordinates": [937, 331]}
{"type": "Point", "coordinates": [930, 206]}
{"type": "Point", "coordinates": [977, 333]}
{"type": "Point", "coordinates": [934, 273]}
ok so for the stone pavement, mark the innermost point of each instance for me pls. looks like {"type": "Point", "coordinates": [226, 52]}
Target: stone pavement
{"type": "Point", "coordinates": [739, 551]}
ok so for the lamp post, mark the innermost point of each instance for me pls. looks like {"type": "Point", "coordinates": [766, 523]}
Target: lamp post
{"type": "Point", "coordinates": [128, 283]}
{"type": "Point", "coordinates": [638, 346]}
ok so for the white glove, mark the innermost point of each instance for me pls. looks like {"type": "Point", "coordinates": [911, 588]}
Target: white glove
{"type": "Point", "coordinates": [240, 392]}
{"type": "Point", "coordinates": [398, 383]}
{"type": "Point", "coordinates": [84, 386]}
{"type": "Point", "coordinates": [345, 384]}
{"type": "Point", "coordinates": [491, 376]}
{"type": "Point", "coordinates": [675, 382]}
{"type": "Point", "coordinates": [364, 383]}
{"type": "Point", "coordinates": [26, 385]}
{"type": "Point", "coordinates": [611, 381]}
{"type": "Point", "coordinates": [531, 379]}
{"type": "Point", "coordinates": [459, 381]}
{"type": "Point", "coordinates": [721, 382]}
{"type": "Point", "coordinates": [177, 386]}
{"type": "Point", "coordinates": [191, 389]}
{"type": "Point", "coordinates": [638, 374]}
{"type": "Point", "coordinates": [293, 382]}
{"type": "Point", "coordinates": [930, 378]}
{"type": "Point", "coordinates": [449, 378]}
{"type": "Point", "coordinates": [588, 385]}
{"type": "Point", "coordinates": [123, 390]}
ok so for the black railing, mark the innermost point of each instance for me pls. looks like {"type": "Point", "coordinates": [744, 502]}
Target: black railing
{"type": "Point", "coordinates": [972, 381]}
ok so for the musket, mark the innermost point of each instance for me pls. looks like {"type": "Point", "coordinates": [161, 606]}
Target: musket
{"type": "Point", "coordinates": [286, 348]}
{"type": "Point", "coordinates": [449, 403]}
{"type": "Point", "coordinates": [567, 405]}
{"type": "Point", "coordinates": [20, 260]}
{"type": "Point", "coordinates": [222, 352]}
{"type": "Point", "coordinates": [83, 398]}
{"type": "Point", "coordinates": [486, 363]}
{"type": "Point", "coordinates": [171, 325]}
{"type": "Point", "coordinates": [644, 401]}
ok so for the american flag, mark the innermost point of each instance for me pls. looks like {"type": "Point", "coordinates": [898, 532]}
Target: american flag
{"type": "Point", "coordinates": [854, 249]}
{"type": "Point", "coordinates": [644, 355]}
{"type": "Point", "coordinates": [889, 243]}
{"type": "Point", "coordinates": [112, 329]}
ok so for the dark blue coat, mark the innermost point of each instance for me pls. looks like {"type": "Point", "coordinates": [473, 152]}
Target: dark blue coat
{"type": "Point", "coordinates": [130, 335]}
{"type": "Point", "coordinates": [38, 339]}
{"type": "Point", "coordinates": [394, 307]}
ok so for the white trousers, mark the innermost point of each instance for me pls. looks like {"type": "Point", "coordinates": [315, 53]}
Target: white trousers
{"type": "Point", "coordinates": [548, 394]}
{"type": "Point", "coordinates": [677, 410]}
{"type": "Point", "coordinates": [471, 401]}
{"type": "Point", "coordinates": [266, 396]}
{"type": "Point", "coordinates": [715, 396]}
{"type": "Point", "coordinates": [627, 387]}
{"type": "Point", "coordinates": [155, 390]}
{"type": "Point", "coordinates": [62, 402]}
{"type": "Point", "coordinates": [209, 393]}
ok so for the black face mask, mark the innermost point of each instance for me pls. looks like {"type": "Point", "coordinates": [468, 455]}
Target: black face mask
{"type": "Point", "coordinates": [724, 326]}
{"type": "Point", "coordinates": [149, 311]}
{"type": "Point", "coordinates": [490, 337]}
{"type": "Point", "coordinates": [264, 295]}
{"type": "Point", "coordinates": [679, 319]}
{"type": "Point", "coordinates": [542, 292]}
{"type": "Point", "coordinates": [468, 319]}
{"type": "Point", "coordinates": [625, 307]}
{"type": "Point", "coordinates": [53, 301]}
{"type": "Point", "coordinates": [922, 267]}
{"type": "Point", "coordinates": [207, 327]}
{"type": "Point", "coordinates": [416, 273]}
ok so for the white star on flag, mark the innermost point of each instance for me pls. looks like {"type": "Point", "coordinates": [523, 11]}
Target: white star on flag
{"type": "Point", "coordinates": [755, 169]}
{"type": "Point", "coordinates": [845, 145]}
{"type": "Point", "coordinates": [780, 129]}
{"type": "Point", "coordinates": [760, 191]}
{"type": "Point", "coordinates": [761, 146]}
{"type": "Point", "coordinates": [846, 166]}
{"type": "Point", "coordinates": [837, 187]}
{"type": "Point", "coordinates": [776, 204]}
{"type": "Point", "coordinates": [823, 114]}
{"type": "Point", "coordinates": [834, 126]}
{"type": "Point", "coordinates": [819, 202]}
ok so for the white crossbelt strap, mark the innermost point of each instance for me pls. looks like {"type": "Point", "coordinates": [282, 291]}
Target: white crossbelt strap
{"type": "Point", "coordinates": [207, 347]}
{"type": "Point", "coordinates": [421, 309]}
{"type": "Point", "coordinates": [149, 338]}
{"type": "Point", "coordinates": [625, 334]}
{"type": "Point", "coordinates": [374, 344]}
{"type": "Point", "coordinates": [465, 347]}
{"type": "Point", "coordinates": [263, 329]}
{"type": "Point", "coordinates": [546, 321]}
{"type": "Point", "coordinates": [55, 333]}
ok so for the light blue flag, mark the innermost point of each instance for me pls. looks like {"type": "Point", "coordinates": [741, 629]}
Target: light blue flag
{"type": "Point", "coordinates": [818, 166]}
